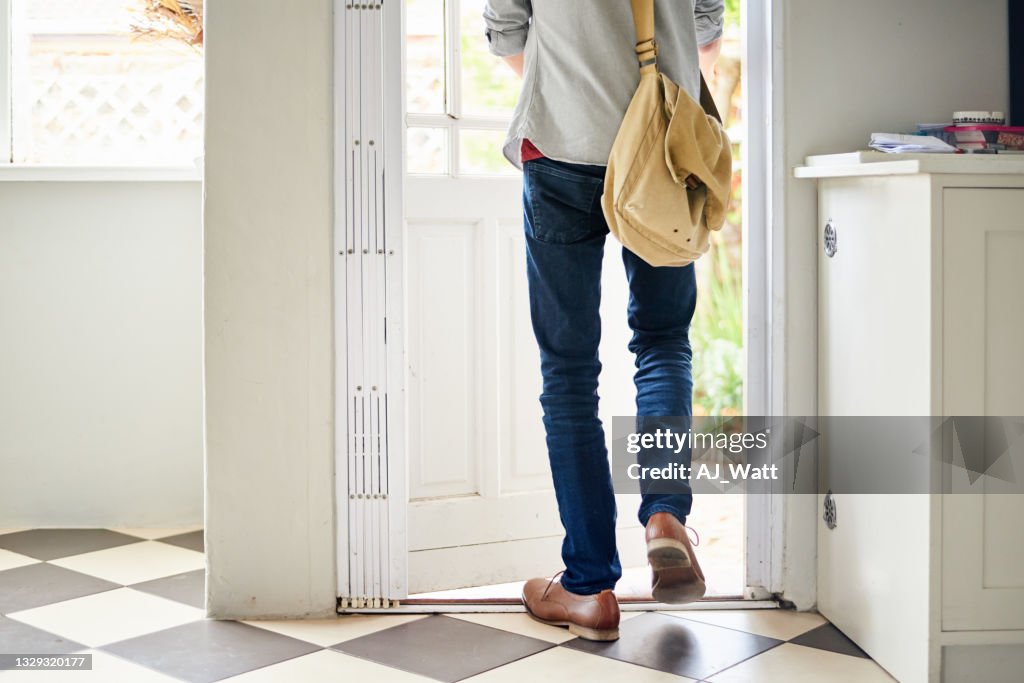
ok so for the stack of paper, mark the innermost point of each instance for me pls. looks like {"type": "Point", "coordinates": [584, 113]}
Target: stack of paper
{"type": "Point", "coordinates": [904, 144]}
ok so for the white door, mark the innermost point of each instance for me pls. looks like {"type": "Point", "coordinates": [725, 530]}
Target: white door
{"type": "Point", "coordinates": [481, 506]}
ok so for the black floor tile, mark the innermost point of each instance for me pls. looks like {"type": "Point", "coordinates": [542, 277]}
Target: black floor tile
{"type": "Point", "coordinates": [19, 638]}
{"type": "Point", "coordinates": [443, 648]}
{"type": "Point", "coordinates": [39, 584]}
{"type": "Point", "coordinates": [828, 637]}
{"type": "Point", "coordinates": [189, 588]}
{"type": "Point", "coordinates": [679, 646]}
{"type": "Point", "coordinates": [208, 650]}
{"type": "Point", "coordinates": [49, 544]}
{"type": "Point", "coordinates": [193, 540]}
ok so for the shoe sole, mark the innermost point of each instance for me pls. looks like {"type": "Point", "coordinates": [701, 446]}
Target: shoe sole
{"type": "Point", "coordinates": [676, 580]}
{"type": "Point", "coordinates": [583, 632]}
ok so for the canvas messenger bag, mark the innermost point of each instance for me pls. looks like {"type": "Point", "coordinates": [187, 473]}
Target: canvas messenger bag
{"type": "Point", "coordinates": [670, 170]}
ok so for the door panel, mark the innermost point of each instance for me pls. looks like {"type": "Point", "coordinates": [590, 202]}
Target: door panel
{"type": "Point", "coordinates": [443, 319]}
{"type": "Point", "coordinates": [518, 369]}
{"type": "Point", "coordinates": [983, 236]}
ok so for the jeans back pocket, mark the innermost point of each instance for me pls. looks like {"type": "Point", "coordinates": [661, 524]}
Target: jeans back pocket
{"type": "Point", "coordinates": [561, 202]}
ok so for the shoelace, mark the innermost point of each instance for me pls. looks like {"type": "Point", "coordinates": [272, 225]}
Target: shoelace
{"type": "Point", "coordinates": [550, 583]}
{"type": "Point", "coordinates": [692, 533]}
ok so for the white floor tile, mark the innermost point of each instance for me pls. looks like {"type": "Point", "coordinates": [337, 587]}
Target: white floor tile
{"type": "Point", "coordinates": [151, 534]}
{"type": "Point", "coordinates": [106, 668]}
{"type": "Point", "coordinates": [772, 623]}
{"type": "Point", "coordinates": [563, 664]}
{"type": "Point", "coordinates": [108, 617]}
{"type": "Point", "coordinates": [9, 560]}
{"type": "Point", "coordinates": [326, 632]}
{"type": "Point", "coordinates": [798, 664]}
{"type": "Point", "coordinates": [135, 562]}
{"type": "Point", "coordinates": [327, 666]}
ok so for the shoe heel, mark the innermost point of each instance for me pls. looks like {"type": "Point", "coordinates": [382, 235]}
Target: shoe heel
{"type": "Point", "coordinates": [673, 589]}
{"type": "Point", "coordinates": [594, 633]}
{"type": "Point", "coordinates": [667, 553]}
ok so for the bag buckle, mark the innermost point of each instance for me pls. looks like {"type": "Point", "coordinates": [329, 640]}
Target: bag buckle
{"type": "Point", "coordinates": [647, 52]}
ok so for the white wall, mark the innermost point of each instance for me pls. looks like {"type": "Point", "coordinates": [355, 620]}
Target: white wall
{"type": "Point", "coordinates": [100, 345]}
{"type": "Point", "coordinates": [847, 69]}
{"type": "Point", "coordinates": [853, 68]}
{"type": "Point", "coordinates": [268, 296]}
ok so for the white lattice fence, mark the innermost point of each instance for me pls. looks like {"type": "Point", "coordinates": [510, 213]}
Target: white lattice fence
{"type": "Point", "coordinates": [110, 109]}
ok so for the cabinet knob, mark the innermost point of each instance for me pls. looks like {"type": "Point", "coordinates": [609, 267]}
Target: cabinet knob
{"type": "Point", "coordinates": [831, 239]}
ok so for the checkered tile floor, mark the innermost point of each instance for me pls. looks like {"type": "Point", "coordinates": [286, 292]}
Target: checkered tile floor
{"type": "Point", "coordinates": [133, 599]}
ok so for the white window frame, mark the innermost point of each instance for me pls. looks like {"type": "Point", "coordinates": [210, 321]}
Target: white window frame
{"type": "Point", "coordinates": [12, 171]}
{"type": "Point", "coordinates": [453, 120]}
{"type": "Point", "coordinates": [6, 73]}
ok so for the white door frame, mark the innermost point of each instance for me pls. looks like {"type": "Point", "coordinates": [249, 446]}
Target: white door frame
{"type": "Point", "coordinates": [779, 551]}
{"type": "Point", "coordinates": [762, 512]}
{"type": "Point", "coordinates": [782, 547]}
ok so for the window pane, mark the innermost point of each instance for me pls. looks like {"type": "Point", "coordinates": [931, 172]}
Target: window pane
{"type": "Point", "coordinates": [87, 89]}
{"type": "Point", "coordinates": [489, 87]}
{"type": "Point", "coordinates": [480, 153]}
{"type": "Point", "coordinates": [427, 150]}
{"type": "Point", "coordinates": [424, 56]}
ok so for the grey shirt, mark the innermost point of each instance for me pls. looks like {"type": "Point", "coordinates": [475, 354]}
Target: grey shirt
{"type": "Point", "coordinates": [581, 70]}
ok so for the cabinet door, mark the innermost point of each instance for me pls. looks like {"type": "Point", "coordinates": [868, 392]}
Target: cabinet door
{"type": "Point", "coordinates": [874, 341]}
{"type": "Point", "coordinates": [983, 368]}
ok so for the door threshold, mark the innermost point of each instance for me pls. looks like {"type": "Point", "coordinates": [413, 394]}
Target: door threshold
{"type": "Point", "coordinates": [498, 605]}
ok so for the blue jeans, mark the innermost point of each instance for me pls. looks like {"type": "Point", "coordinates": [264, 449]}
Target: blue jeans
{"type": "Point", "coordinates": [565, 237]}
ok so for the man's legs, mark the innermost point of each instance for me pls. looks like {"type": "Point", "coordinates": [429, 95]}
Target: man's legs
{"type": "Point", "coordinates": [565, 236]}
{"type": "Point", "coordinates": [661, 305]}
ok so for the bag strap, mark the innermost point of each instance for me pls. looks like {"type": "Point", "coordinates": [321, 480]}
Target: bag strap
{"type": "Point", "coordinates": [643, 22]}
{"type": "Point", "coordinates": [647, 51]}
{"type": "Point", "coordinates": [707, 102]}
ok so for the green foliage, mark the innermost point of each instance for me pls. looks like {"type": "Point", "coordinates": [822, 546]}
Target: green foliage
{"type": "Point", "coordinates": [717, 336]}
{"type": "Point", "coordinates": [732, 12]}
{"type": "Point", "coordinates": [481, 152]}
{"type": "Point", "coordinates": [717, 330]}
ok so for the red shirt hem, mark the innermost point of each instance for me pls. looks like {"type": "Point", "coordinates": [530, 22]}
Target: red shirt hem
{"type": "Point", "coordinates": [528, 152]}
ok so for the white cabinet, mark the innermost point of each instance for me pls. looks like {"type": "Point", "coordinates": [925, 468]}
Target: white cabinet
{"type": "Point", "coordinates": [921, 312]}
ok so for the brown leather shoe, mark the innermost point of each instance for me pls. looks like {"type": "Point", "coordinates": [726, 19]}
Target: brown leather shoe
{"type": "Point", "coordinates": [591, 617]}
{"type": "Point", "coordinates": [676, 575]}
